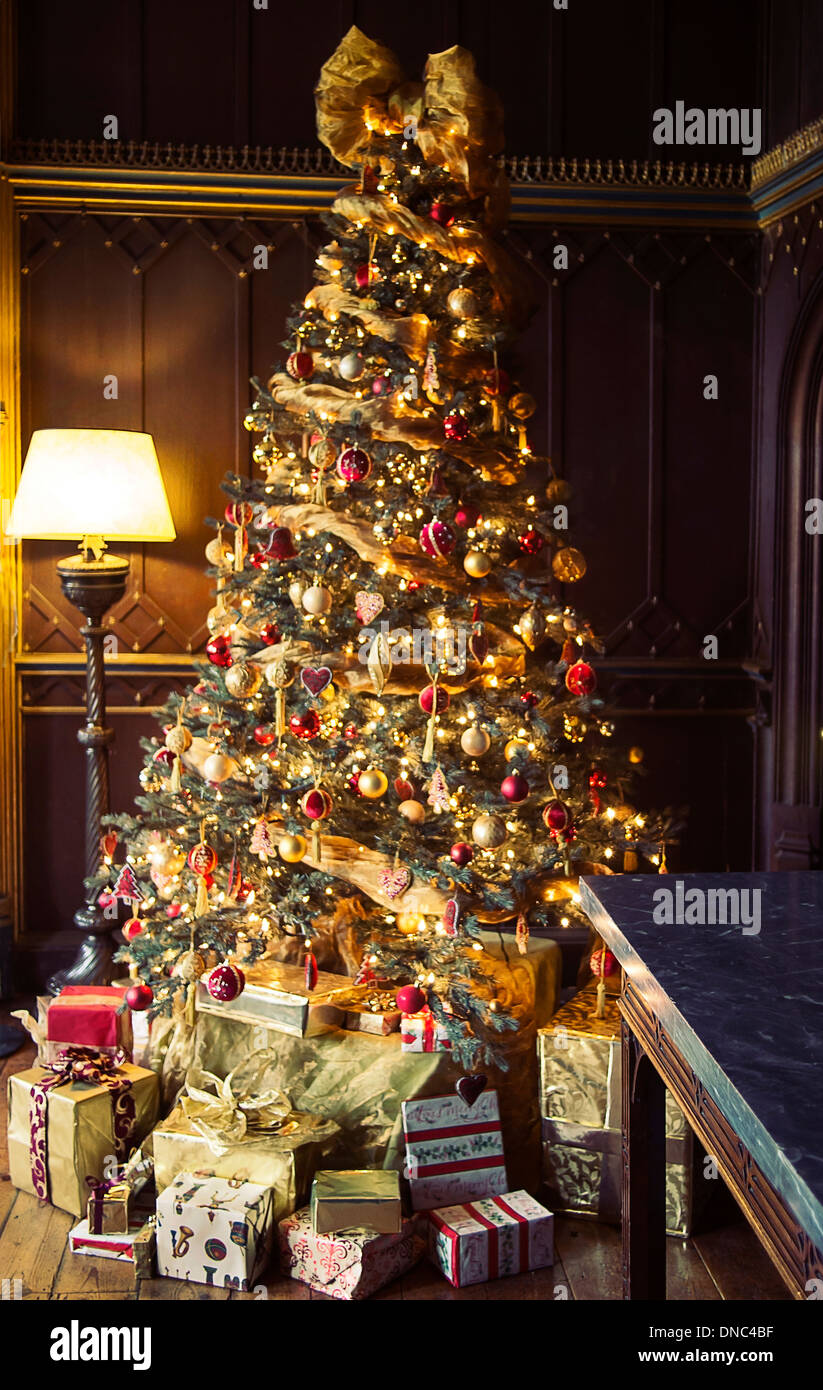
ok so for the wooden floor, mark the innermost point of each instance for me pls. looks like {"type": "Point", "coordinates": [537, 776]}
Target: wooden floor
{"type": "Point", "coordinates": [724, 1263]}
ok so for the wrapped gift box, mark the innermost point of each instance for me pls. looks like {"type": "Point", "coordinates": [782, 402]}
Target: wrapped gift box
{"type": "Point", "coordinates": [110, 1205]}
{"type": "Point", "coordinates": [203, 1135]}
{"type": "Point", "coordinates": [81, 1016]}
{"type": "Point", "coordinates": [349, 1266]}
{"type": "Point", "coordinates": [487, 1239]}
{"type": "Point", "coordinates": [454, 1151]}
{"type": "Point", "coordinates": [135, 1246]}
{"type": "Point", "coordinates": [422, 1033]}
{"type": "Point", "coordinates": [367, 1198]}
{"type": "Point", "coordinates": [213, 1230]}
{"type": "Point", "coordinates": [580, 1102]}
{"type": "Point", "coordinates": [380, 1015]}
{"type": "Point", "coordinates": [68, 1125]}
{"type": "Point", "coordinates": [276, 997]}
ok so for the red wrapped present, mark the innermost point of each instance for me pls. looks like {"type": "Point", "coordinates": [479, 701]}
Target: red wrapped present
{"type": "Point", "coordinates": [87, 1016]}
{"type": "Point", "coordinates": [483, 1240]}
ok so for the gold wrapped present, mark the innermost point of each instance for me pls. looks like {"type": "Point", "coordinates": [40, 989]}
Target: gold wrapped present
{"type": "Point", "coordinates": [276, 997]}
{"type": "Point", "coordinates": [358, 1198]}
{"type": "Point", "coordinates": [234, 1131]}
{"type": "Point", "coordinates": [109, 1210]}
{"type": "Point", "coordinates": [71, 1120]}
{"type": "Point", "coordinates": [580, 1105]}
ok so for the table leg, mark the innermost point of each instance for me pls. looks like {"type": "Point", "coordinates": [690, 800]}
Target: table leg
{"type": "Point", "coordinates": [644, 1173]}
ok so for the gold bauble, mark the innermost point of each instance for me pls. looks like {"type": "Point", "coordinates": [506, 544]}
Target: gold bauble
{"type": "Point", "coordinates": [190, 966]}
{"type": "Point", "coordinates": [217, 619]}
{"type": "Point", "coordinates": [636, 755]}
{"type": "Point", "coordinates": [413, 811]}
{"type": "Point", "coordinates": [372, 783]}
{"type": "Point", "coordinates": [522, 406]}
{"type": "Point", "coordinates": [218, 554]}
{"type": "Point", "coordinates": [166, 858]}
{"type": "Point", "coordinates": [242, 680]}
{"type": "Point", "coordinates": [279, 674]}
{"type": "Point", "coordinates": [296, 591]}
{"type": "Point", "coordinates": [178, 739]}
{"type": "Point", "coordinates": [558, 490]}
{"type": "Point", "coordinates": [323, 453]}
{"type": "Point", "coordinates": [218, 768]}
{"type": "Point", "coordinates": [569, 565]}
{"type": "Point", "coordinates": [489, 832]}
{"type": "Point", "coordinates": [463, 303]}
{"type": "Point", "coordinates": [292, 848]}
{"type": "Point", "coordinates": [317, 599]}
{"type": "Point", "coordinates": [475, 742]}
{"type": "Point", "coordinates": [515, 748]}
{"type": "Point", "coordinates": [533, 627]}
{"type": "Point", "coordinates": [477, 564]}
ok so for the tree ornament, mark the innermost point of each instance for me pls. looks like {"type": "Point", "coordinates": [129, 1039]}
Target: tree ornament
{"type": "Point", "coordinates": [218, 554]}
{"type": "Point", "coordinates": [149, 780]}
{"type": "Point", "coordinates": [412, 811]}
{"type": "Point", "coordinates": [351, 731]}
{"type": "Point", "coordinates": [410, 999]}
{"type": "Point", "coordinates": [291, 848]}
{"type": "Point", "coordinates": [597, 781]}
{"type": "Point", "coordinates": [132, 928]}
{"type": "Point", "coordinates": [269, 634]}
{"type": "Point", "coordinates": [165, 758]}
{"type": "Point", "coordinates": [280, 544]}
{"type": "Point", "coordinates": [441, 213]}
{"type": "Point", "coordinates": [478, 643]}
{"type": "Point", "coordinates": [239, 514]}
{"type": "Point", "coordinates": [556, 816]}
{"type": "Point", "coordinates": [226, 982]}
{"type": "Point", "coordinates": [529, 699]}
{"type": "Point", "coordinates": [602, 963]}
{"type": "Point", "coordinates": [218, 650]}
{"type": "Point", "coordinates": [316, 679]}
{"type": "Point", "coordinates": [466, 516]}
{"type": "Point", "coordinates": [514, 787]}
{"type": "Point", "coordinates": [218, 768]}
{"type": "Point", "coordinates": [310, 970]}
{"type": "Point", "coordinates": [569, 652]}
{"type": "Point", "coordinates": [243, 680]}
{"type": "Point", "coordinates": [496, 381]}
{"type": "Point", "coordinates": [558, 490]}
{"type": "Point", "coordinates": [569, 565]}
{"type": "Point", "coordinates": [514, 749]}
{"type": "Point", "coordinates": [202, 862]}
{"type": "Point", "coordinates": [437, 540]}
{"type": "Point", "coordinates": [395, 879]}
{"type": "Point", "coordinates": [300, 365]}
{"type": "Point", "coordinates": [139, 997]}
{"type": "Point", "coordinates": [372, 783]}
{"type": "Point", "coordinates": [367, 606]}
{"type": "Point", "coordinates": [317, 804]}
{"type": "Point", "coordinates": [521, 934]}
{"type": "Point", "coordinates": [533, 627]}
{"type": "Point", "coordinates": [433, 697]}
{"type": "Point", "coordinates": [305, 726]}
{"type": "Point", "coordinates": [522, 406]}
{"type": "Point", "coordinates": [404, 788]}
{"type": "Point", "coordinates": [475, 741]}
{"type": "Point", "coordinates": [463, 303]}
{"type": "Point", "coordinates": [636, 755]}
{"type": "Point", "coordinates": [350, 367]}
{"type": "Point", "coordinates": [471, 1088]}
{"type": "Point", "coordinates": [531, 542]}
{"type": "Point", "coordinates": [178, 740]}
{"type": "Point", "coordinates": [489, 832]}
{"type": "Point", "coordinates": [126, 886]}
{"type": "Point", "coordinates": [455, 427]}
{"type": "Point", "coordinates": [461, 854]}
{"type": "Point", "coordinates": [317, 599]}
{"type": "Point", "coordinates": [477, 564]}
{"type": "Point", "coordinates": [261, 842]}
{"type": "Point", "coordinates": [581, 679]}
{"type": "Point", "coordinates": [366, 275]}
{"type": "Point", "coordinates": [438, 796]}
{"type": "Point", "coordinates": [296, 591]}
{"type": "Point", "coordinates": [353, 465]}
{"type": "Point", "coordinates": [189, 967]}
{"type": "Point", "coordinates": [451, 917]}
{"type": "Point", "coordinates": [381, 386]}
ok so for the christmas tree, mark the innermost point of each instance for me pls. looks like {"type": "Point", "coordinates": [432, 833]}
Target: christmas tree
{"type": "Point", "coordinates": [399, 701]}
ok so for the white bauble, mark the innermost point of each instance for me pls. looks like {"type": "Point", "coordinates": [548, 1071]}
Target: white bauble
{"type": "Point", "coordinates": [350, 367]}
{"type": "Point", "coordinates": [317, 599]}
{"type": "Point", "coordinates": [475, 742]}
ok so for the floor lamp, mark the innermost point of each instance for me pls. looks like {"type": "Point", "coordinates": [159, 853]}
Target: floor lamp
{"type": "Point", "coordinates": [92, 486]}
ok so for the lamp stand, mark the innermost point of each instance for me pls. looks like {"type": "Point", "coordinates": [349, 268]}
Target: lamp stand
{"type": "Point", "coordinates": [93, 586]}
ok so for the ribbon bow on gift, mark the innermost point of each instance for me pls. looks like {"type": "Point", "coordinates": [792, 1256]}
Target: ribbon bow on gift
{"type": "Point", "coordinates": [85, 1064]}
{"type": "Point", "coordinates": [100, 1188]}
{"type": "Point", "coordinates": [223, 1117]}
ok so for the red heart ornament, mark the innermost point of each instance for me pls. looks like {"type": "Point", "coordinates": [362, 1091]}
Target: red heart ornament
{"type": "Point", "coordinates": [469, 1088]}
{"type": "Point", "coordinates": [404, 789]}
{"type": "Point", "coordinates": [316, 678]}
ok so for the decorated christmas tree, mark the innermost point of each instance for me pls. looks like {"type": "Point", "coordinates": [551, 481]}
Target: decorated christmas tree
{"type": "Point", "coordinates": [399, 701]}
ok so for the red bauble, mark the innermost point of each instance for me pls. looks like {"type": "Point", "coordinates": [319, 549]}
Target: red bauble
{"type": "Point", "coordinates": [239, 513]}
{"type": "Point", "coordinates": [366, 275]}
{"type": "Point", "coordinates": [602, 962]}
{"type": "Point", "coordinates": [281, 545]}
{"type": "Point", "coordinates": [165, 757]}
{"type": "Point", "coordinates": [410, 999]}
{"type": "Point", "coordinates": [317, 804]}
{"type": "Point", "coordinates": [173, 910]}
{"type": "Point", "coordinates": [354, 784]}
{"type": "Point", "coordinates": [529, 699]}
{"type": "Point", "coordinates": [202, 858]}
{"type": "Point", "coordinates": [350, 731]}
{"type": "Point", "coordinates": [305, 726]}
{"type": "Point", "coordinates": [597, 778]}
{"type": "Point", "coordinates": [139, 997]}
{"type": "Point", "coordinates": [265, 734]}
{"type": "Point", "coordinates": [461, 854]}
{"type": "Point", "coordinates": [556, 816]}
{"type": "Point", "coordinates": [300, 365]}
{"type": "Point", "coordinates": [269, 634]}
{"type": "Point", "coordinates": [455, 427]}
{"type": "Point", "coordinates": [531, 542]}
{"type": "Point", "coordinates": [580, 678]}
{"type": "Point", "coordinates": [218, 650]}
{"type": "Point", "coordinates": [381, 386]}
{"type": "Point", "coordinates": [497, 382]}
{"type": "Point", "coordinates": [353, 465]}
{"type": "Point", "coordinates": [514, 787]}
{"type": "Point", "coordinates": [426, 699]}
{"type": "Point", "coordinates": [225, 982]}
{"type": "Point", "coordinates": [442, 213]}
{"type": "Point", "coordinates": [437, 540]}
{"type": "Point", "coordinates": [467, 515]}
{"type": "Point", "coordinates": [132, 928]}
{"type": "Point", "coordinates": [404, 788]}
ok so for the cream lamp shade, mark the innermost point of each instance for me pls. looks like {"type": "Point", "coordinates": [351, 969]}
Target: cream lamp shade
{"type": "Point", "coordinates": [79, 483]}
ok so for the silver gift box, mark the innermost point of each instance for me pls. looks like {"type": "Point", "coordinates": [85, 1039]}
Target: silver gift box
{"type": "Point", "coordinates": [275, 996]}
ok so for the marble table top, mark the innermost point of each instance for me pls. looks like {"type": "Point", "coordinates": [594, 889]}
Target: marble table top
{"type": "Point", "coordinates": [741, 996]}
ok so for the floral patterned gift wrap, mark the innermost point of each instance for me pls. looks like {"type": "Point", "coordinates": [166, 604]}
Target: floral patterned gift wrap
{"type": "Point", "coordinates": [349, 1266]}
{"type": "Point", "coordinates": [454, 1151]}
{"type": "Point", "coordinates": [488, 1239]}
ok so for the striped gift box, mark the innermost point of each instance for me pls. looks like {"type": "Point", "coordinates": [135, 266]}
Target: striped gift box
{"type": "Point", "coordinates": [454, 1151]}
{"type": "Point", "coordinates": [491, 1238]}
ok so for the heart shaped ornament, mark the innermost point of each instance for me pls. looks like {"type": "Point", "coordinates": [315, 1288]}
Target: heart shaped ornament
{"type": "Point", "coordinates": [316, 678]}
{"type": "Point", "coordinates": [394, 881]}
{"type": "Point", "coordinates": [469, 1088]}
{"type": "Point", "coordinates": [367, 606]}
{"type": "Point", "coordinates": [404, 788]}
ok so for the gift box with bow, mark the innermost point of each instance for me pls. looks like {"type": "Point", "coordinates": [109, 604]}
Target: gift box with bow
{"type": "Point", "coordinates": [422, 1033]}
{"type": "Point", "coordinates": [234, 1128]}
{"type": "Point", "coordinates": [89, 1016]}
{"type": "Point", "coordinates": [72, 1119]}
{"type": "Point", "coordinates": [109, 1210]}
